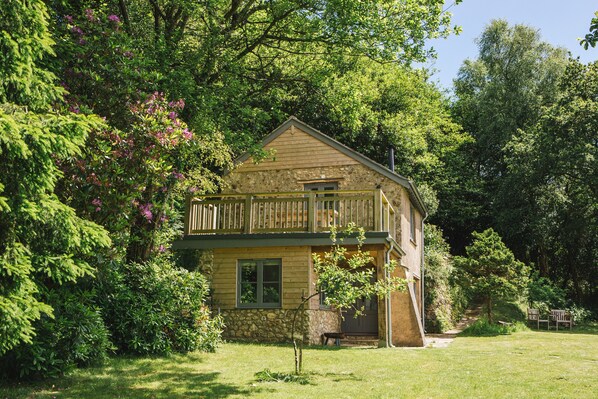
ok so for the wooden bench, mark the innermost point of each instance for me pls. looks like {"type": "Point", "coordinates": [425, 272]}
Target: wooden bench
{"type": "Point", "coordinates": [561, 317]}
{"type": "Point", "coordinates": [336, 335]}
{"type": "Point", "coordinates": [533, 315]}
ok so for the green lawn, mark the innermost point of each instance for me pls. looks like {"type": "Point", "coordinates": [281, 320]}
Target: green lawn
{"type": "Point", "coordinates": [526, 364]}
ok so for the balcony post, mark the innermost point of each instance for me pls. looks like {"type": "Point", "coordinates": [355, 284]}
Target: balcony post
{"type": "Point", "coordinates": [311, 212]}
{"type": "Point", "coordinates": [377, 210]}
{"type": "Point", "coordinates": [248, 214]}
{"type": "Point", "coordinates": [187, 215]}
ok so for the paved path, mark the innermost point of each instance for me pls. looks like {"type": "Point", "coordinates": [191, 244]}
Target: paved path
{"type": "Point", "coordinates": [444, 340]}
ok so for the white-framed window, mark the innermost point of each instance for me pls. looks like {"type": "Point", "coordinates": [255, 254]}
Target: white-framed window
{"type": "Point", "coordinates": [259, 283]}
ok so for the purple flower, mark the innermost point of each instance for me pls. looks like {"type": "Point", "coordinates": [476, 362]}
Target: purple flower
{"type": "Point", "coordinates": [96, 202]}
{"type": "Point", "coordinates": [172, 115]}
{"type": "Point", "coordinates": [128, 54]}
{"type": "Point", "coordinates": [77, 30]}
{"type": "Point", "coordinates": [178, 175]}
{"type": "Point", "coordinates": [188, 135]}
{"type": "Point", "coordinates": [69, 19]}
{"type": "Point", "coordinates": [89, 14]}
{"type": "Point", "coordinates": [113, 18]}
{"type": "Point", "coordinates": [146, 211]}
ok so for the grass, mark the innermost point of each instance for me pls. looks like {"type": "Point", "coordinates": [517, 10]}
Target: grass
{"type": "Point", "coordinates": [528, 364]}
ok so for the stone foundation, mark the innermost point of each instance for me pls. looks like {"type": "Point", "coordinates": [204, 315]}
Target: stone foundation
{"type": "Point", "coordinates": [274, 325]}
{"type": "Point", "coordinates": [321, 321]}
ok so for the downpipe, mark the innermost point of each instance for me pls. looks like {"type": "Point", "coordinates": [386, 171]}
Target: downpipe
{"type": "Point", "coordinates": [388, 300]}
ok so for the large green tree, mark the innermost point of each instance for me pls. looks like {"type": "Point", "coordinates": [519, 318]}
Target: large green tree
{"type": "Point", "coordinates": [503, 90]}
{"type": "Point", "coordinates": [554, 165]}
{"type": "Point", "coordinates": [43, 243]}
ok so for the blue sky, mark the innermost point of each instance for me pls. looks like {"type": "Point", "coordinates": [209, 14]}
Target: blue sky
{"type": "Point", "coordinates": [559, 22]}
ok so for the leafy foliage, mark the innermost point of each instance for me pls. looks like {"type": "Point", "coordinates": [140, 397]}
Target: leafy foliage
{"type": "Point", "coordinates": [591, 38]}
{"type": "Point", "coordinates": [345, 276]}
{"type": "Point", "coordinates": [503, 90]}
{"type": "Point", "coordinates": [42, 241]}
{"type": "Point", "coordinates": [75, 336]}
{"type": "Point", "coordinates": [156, 308]}
{"type": "Point", "coordinates": [491, 271]}
{"type": "Point", "coordinates": [444, 300]}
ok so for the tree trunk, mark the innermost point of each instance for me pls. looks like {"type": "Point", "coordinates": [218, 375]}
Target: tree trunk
{"type": "Point", "coordinates": [489, 309]}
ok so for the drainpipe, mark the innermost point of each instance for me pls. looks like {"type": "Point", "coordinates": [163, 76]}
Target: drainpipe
{"type": "Point", "coordinates": [388, 301]}
{"type": "Point", "coordinates": [423, 277]}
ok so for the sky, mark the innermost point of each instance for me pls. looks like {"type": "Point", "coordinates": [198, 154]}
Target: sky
{"type": "Point", "coordinates": [560, 23]}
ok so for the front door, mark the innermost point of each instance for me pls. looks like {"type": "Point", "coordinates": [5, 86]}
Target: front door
{"type": "Point", "coordinates": [367, 322]}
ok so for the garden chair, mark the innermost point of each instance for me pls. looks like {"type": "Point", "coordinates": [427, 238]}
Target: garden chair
{"type": "Point", "coordinates": [561, 317]}
{"type": "Point", "coordinates": [533, 315]}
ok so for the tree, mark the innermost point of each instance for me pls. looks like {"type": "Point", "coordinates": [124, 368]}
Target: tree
{"type": "Point", "coordinates": [591, 38]}
{"type": "Point", "coordinates": [241, 66]}
{"type": "Point", "coordinates": [343, 278]}
{"type": "Point", "coordinates": [43, 243]}
{"type": "Point", "coordinates": [503, 90]}
{"type": "Point", "coordinates": [491, 271]}
{"type": "Point", "coordinates": [553, 163]}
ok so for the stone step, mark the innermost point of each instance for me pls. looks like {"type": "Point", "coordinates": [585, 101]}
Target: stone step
{"type": "Point", "coordinates": [360, 340]}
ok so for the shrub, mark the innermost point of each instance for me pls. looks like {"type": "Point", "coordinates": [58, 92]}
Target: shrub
{"type": "Point", "coordinates": [445, 301]}
{"type": "Point", "coordinates": [76, 336]}
{"type": "Point", "coordinates": [483, 328]}
{"type": "Point", "coordinates": [156, 308]}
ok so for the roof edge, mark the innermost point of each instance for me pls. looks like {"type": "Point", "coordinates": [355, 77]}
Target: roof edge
{"type": "Point", "coordinates": [293, 121]}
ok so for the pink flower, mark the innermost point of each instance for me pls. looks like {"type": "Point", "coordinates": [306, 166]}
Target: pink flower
{"type": "Point", "coordinates": [188, 135]}
{"type": "Point", "coordinates": [161, 248]}
{"type": "Point", "coordinates": [69, 19]}
{"type": "Point", "coordinates": [113, 18]}
{"type": "Point", "coordinates": [96, 202]}
{"type": "Point", "coordinates": [172, 115]}
{"type": "Point", "coordinates": [178, 175]}
{"type": "Point", "coordinates": [77, 30]}
{"type": "Point", "coordinates": [146, 211]}
{"type": "Point", "coordinates": [89, 15]}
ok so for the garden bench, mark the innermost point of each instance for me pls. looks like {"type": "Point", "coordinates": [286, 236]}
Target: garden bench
{"type": "Point", "coordinates": [561, 317]}
{"type": "Point", "coordinates": [533, 315]}
{"type": "Point", "coordinates": [336, 335]}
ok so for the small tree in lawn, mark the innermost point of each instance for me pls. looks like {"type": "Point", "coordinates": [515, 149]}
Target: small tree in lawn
{"type": "Point", "coordinates": [490, 269]}
{"type": "Point", "coordinates": [344, 278]}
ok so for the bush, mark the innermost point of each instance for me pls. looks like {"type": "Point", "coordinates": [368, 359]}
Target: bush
{"type": "Point", "coordinates": [444, 300]}
{"type": "Point", "coordinates": [156, 308]}
{"type": "Point", "coordinates": [483, 328]}
{"type": "Point", "coordinates": [75, 336]}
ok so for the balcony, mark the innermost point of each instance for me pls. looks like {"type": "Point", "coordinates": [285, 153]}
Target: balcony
{"type": "Point", "coordinates": [303, 211]}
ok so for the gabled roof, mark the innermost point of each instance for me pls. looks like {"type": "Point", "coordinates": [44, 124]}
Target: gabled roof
{"type": "Point", "coordinates": [403, 181]}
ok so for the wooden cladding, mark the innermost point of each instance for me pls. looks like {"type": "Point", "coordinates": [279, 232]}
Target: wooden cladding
{"type": "Point", "coordinates": [289, 212]}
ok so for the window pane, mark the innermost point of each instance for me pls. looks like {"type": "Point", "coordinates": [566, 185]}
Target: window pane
{"type": "Point", "coordinates": [271, 272]}
{"type": "Point", "coordinates": [248, 293]}
{"type": "Point", "coordinates": [271, 293]}
{"type": "Point", "coordinates": [249, 272]}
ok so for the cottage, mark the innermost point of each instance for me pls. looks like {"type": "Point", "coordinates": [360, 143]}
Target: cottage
{"type": "Point", "coordinates": [264, 228]}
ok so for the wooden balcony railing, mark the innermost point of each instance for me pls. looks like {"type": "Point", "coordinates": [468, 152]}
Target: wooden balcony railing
{"type": "Point", "coordinates": [308, 211]}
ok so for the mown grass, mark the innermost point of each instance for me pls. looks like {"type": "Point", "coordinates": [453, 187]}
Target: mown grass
{"type": "Point", "coordinates": [527, 364]}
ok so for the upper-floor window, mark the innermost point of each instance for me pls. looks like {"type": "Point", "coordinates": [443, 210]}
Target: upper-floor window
{"type": "Point", "coordinates": [259, 283]}
{"type": "Point", "coordinates": [412, 223]}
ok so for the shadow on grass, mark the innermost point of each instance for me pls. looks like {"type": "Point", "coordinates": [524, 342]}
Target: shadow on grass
{"type": "Point", "coordinates": [133, 378]}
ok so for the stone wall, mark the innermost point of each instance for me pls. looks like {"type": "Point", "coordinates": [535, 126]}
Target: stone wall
{"type": "Point", "coordinates": [321, 321]}
{"type": "Point", "coordinates": [261, 325]}
{"type": "Point", "coordinates": [274, 325]}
